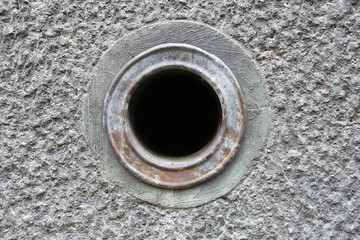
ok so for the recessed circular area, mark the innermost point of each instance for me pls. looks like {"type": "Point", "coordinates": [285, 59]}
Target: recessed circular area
{"type": "Point", "coordinates": [174, 113]}
{"type": "Point", "coordinates": [191, 179]}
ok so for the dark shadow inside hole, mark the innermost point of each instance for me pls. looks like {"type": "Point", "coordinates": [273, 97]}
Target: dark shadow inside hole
{"type": "Point", "coordinates": [174, 113]}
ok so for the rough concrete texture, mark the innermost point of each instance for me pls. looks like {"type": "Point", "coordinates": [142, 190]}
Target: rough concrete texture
{"type": "Point", "coordinates": [305, 185]}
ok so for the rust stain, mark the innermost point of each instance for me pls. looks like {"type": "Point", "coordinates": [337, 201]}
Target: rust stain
{"type": "Point", "coordinates": [178, 177]}
{"type": "Point", "coordinates": [123, 151]}
{"type": "Point", "coordinates": [116, 136]}
{"type": "Point", "coordinates": [231, 133]}
{"type": "Point", "coordinates": [123, 114]}
{"type": "Point", "coordinates": [240, 97]}
{"type": "Point", "coordinates": [127, 153]}
{"type": "Point", "coordinates": [226, 151]}
{"type": "Point", "coordinates": [145, 168]}
{"type": "Point", "coordinates": [149, 173]}
{"type": "Point", "coordinates": [166, 176]}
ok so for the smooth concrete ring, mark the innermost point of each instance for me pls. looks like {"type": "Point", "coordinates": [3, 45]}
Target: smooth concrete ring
{"type": "Point", "coordinates": [217, 44]}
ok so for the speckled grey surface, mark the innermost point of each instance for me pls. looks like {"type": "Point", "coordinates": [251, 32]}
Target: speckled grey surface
{"type": "Point", "coordinates": [305, 185]}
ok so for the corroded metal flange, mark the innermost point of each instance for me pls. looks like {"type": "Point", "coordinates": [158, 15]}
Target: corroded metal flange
{"type": "Point", "coordinates": [113, 155]}
{"type": "Point", "coordinates": [165, 171]}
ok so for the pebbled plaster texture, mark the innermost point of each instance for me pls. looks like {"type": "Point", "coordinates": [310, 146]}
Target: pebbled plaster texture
{"type": "Point", "coordinates": [304, 185]}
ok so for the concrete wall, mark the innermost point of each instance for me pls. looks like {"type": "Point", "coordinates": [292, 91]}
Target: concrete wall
{"type": "Point", "coordinates": [305, 184]}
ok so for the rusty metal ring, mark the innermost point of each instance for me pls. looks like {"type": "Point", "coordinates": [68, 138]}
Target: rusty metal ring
{"type": "Point", "coordinates": [179, 172]}
{"type": "Point", "coordinates": [166, 162]}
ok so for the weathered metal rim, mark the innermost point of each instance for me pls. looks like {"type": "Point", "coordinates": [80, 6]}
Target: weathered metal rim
{"type": "Point", "coordinates": [122, 142]}
{"type": "Point", "coordinates": [174, 163]}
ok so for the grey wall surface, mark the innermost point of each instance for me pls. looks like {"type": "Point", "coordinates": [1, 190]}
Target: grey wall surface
{"type": "Point", "coordinates": [305, 184]}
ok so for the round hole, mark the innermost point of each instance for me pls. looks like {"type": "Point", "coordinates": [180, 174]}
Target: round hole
{"type": "Point", "coordinates": [174, 113]}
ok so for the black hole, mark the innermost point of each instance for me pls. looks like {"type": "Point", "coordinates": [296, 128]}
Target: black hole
{"type": "Point", "coordinates": [174, 113]}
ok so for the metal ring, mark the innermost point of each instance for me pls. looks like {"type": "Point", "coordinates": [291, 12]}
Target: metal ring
{"type": "Point", "coordinates": [179, 172]}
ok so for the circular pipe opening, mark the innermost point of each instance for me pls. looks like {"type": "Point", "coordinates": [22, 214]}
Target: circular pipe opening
{"type": "Point", "coordinates": [174, 113]}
